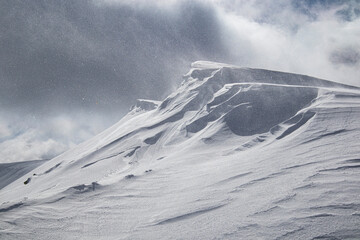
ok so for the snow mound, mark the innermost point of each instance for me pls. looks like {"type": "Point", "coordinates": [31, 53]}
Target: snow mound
{"type": "Point", "coordinates": [144, 105]}
{"type": "Point", "coordinates": [217, 150]}
{"type": "Point", "coordinates": [216, 102]}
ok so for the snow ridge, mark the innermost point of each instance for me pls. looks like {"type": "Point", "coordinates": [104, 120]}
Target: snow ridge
{"type": "Point", "coordinates": [215, 152]}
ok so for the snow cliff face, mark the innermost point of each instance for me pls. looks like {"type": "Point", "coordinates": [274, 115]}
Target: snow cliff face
{"type": "Point", "coordinates": [233, 153]}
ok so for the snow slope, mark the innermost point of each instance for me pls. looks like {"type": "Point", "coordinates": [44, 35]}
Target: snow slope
{"type": "Point", "coordinates": [234, 153]}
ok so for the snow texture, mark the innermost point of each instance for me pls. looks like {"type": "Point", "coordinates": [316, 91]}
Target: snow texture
{"type": "Point", "coordinates": [233, 153]}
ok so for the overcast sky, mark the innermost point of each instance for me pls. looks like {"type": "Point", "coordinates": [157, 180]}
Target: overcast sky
{"type": "Point", "coordinates": [69, 69]}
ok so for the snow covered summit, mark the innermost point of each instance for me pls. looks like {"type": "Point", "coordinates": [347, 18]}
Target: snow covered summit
{"type": "Point", "coordinates": [232, 153]}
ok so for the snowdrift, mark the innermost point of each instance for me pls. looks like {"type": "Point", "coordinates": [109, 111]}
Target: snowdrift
{"type": "Point", "coordinates": [234, 153]}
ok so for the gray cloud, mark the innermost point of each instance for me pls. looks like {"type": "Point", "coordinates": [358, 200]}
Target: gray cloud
{"type": "Point", "coordinates": [63, 52]}
{"type": "Point", "coordinates": [346, 56]}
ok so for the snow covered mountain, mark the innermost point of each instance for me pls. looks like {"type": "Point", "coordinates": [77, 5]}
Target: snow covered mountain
{"type": "Point", "coordinates": [234, 153]}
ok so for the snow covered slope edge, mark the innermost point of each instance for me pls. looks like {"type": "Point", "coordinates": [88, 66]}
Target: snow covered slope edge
{"type": "Point", "coordinates": [234, 152]}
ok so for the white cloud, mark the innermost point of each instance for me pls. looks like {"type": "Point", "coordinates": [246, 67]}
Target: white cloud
{"type": "Point", "coordinates": [45, 138]}
{"type": "Point", "coordinates": [28, 146]}
{"type": "Point", "coordinates": [292, 42]}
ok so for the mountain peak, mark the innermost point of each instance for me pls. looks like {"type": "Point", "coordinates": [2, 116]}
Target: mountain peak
{"type": "Point", "coordinates": [220, 147]}
{"type": "Point", "coordinates": [210, 65]}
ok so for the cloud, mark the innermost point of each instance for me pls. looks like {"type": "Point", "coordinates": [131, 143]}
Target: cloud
{"type": "Point", "coordinates": [27, 147]}
{"type": "Point", "coordinates": [4, 130]}
{"type": "Point", "coordinates": [345, 56]}
{"type": "Point", "coordinates": [34, 139]}
{"type": "Point", "coordinates": [89, 55]}
{"type": "Point", "coordinates": [303, 38]}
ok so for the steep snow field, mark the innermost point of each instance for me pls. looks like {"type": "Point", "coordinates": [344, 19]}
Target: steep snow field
{"type": "Point", "coordinates": [234, 153]}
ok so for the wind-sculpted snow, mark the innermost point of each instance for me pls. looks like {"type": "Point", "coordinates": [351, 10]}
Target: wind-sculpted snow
{"type": "Point", "coordinates": [233, 153]}
{"type": "Point", "coordinates": [144, 105]}
{"type": "Point", "coordinates": [254, 108]}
